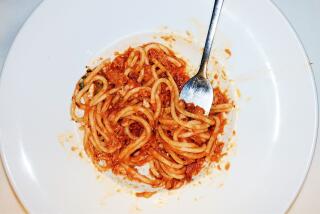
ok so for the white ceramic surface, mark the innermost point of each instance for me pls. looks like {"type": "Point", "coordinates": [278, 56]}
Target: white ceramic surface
{"type": "Point", "coordinates": [275, 140]}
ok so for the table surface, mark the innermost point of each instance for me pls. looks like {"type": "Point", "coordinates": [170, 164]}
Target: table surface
{"type": "Point", "coordinates": [304, 17]}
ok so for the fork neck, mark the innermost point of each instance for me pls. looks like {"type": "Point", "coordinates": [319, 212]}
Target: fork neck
{"type": "Point", "coordinates": [202, 72]}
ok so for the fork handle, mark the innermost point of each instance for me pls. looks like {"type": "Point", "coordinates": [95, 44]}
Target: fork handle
{"type": "Point", "coordinates": [217, 6]}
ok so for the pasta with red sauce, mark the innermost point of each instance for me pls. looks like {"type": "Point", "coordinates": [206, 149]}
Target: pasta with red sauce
{"type": "Point", "coordinates": [130, 112]}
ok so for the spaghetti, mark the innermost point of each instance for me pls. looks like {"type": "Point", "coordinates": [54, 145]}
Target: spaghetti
{"type": "Point", "coordinates": [130, 112]}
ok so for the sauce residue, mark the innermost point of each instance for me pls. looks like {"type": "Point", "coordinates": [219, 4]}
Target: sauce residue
{"type": "Point", "coordinates": [228, 52]}
{"type": "Point", "coordinates": [145, 194]}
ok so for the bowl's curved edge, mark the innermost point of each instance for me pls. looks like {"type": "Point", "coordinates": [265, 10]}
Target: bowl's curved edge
{"type": "Point", "coordinates": [316, 98]}
{"type": "Point", "coordinates": [3, 157]}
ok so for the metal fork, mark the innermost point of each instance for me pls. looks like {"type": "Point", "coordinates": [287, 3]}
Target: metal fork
{"type": "Point", "coordinates": [198, 90]}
